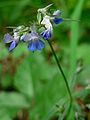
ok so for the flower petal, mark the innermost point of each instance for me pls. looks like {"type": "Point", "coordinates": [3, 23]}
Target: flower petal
{"type": "Point", "coordinates": [30, 36]}
{"type": "Point", "coordinates": [8, 38]}
{"type": "Point", "coordinates": [43, 33]}
{"type": "Point", "coordinates": [40, 44]}
{"type": "Point", "coordinates": [57, 20]}
{"type": "Point", "coordinates": [27, 37]}
{"type": "Point", "coordinates": [22, 37]}
{"type": "Point", "coordinates": [32, 46]}
{"type": "Point", "coordinates": [12, 46]}
{"type": "Point", "coordinates": [46, 34]}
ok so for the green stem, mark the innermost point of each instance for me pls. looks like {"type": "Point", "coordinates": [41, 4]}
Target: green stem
{"type": "Point", "coordinates": [60, 69]}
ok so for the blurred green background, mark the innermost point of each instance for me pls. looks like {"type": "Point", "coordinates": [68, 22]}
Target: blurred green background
{"type": "Point", "coordinates": [30, 83]}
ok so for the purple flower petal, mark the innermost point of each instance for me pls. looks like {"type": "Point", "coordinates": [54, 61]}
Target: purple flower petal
{"type": "Point", "coordinates": [57, 20]}
{"type": "Point", "coordinates": [32, 46]}
{"type": "Point", "coordinates": [12, 46]}
{"type": "Point", "coordinates": [8, 38]}
{"type": "Point", "coordinates": [27, 37]}
{"type": "Point", "coordinates": [30, 36]}
{"type": "Point", "coordinates": [40, 45]}
{"type": "Point", "coordinates": [46, 34]}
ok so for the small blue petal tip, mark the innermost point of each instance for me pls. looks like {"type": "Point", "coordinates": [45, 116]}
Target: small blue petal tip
{"type": "Point", "coordinates": [36, 44]}
{"type": "Point", "coordinates": [40, 45]}
{"type": "Point", "coordinates": [12, 46]}
{"type": "Point", "coordinates": [46, 34]}
{"type": "Point", "coordinates": [8, 38]}
{"type": "Point", "coordinates": [32, 46]}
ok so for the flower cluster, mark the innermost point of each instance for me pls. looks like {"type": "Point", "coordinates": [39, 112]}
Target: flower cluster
{"type": "Point", "coordinates": [32, 35]}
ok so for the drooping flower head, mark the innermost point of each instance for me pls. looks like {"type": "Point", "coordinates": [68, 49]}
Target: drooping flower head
{"type": "Point", "coordinates": [30, 34]}
{"type": "Point", "coordinates": [34, 39]}
{"type": "Point", "coordinates": [46, 21]}
{"type": "Point", "coordinates": [13, 39]}
{"type": "Point", "coordinates": [56, 19]}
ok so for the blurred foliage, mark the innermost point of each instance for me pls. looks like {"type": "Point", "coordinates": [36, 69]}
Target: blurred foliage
{"type": "Point", "coordinates": [30, 83]}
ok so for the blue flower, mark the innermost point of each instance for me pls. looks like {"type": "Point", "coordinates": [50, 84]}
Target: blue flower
{"type": "Point", "coordinates": [35, 42]}
{"type": "Point", "coordinates": [36, 45]}
{"type": "Point", "coordinates": [10, 39]}
{"type": "Point", "coordinates": [57, 20]}
{"type": "Point", "coordinates": [47, 34]}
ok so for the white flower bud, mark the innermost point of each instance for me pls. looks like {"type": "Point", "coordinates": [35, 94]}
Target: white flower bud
{"type": "Point", "coordinates": [46, 22]}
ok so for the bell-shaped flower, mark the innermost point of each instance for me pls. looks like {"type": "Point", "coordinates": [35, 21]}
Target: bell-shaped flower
{"type": "Point", "coordinates": [47, 34]}
{"type": "Point", "coordinates": [56, 18]}
{"type": "Point", "coordinates": [35, 42]}
{"type": "Point", "coordinates": [11, 39]}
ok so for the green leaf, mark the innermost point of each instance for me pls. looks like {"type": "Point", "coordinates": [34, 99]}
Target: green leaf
{"type": "Point", "coordinates": [5, 117]}
{"type": "Point", "coordinates": [13, 99]}
{"type": "Point", "coordinates": [6, 80]}
{"type": "Point", "coordinates": [8, 113]}
{"type": "Point", "coordinates": [23, 79]}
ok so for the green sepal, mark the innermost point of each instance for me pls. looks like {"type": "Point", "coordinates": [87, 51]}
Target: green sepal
{"type": "Point", "coordinates": [39, 17]}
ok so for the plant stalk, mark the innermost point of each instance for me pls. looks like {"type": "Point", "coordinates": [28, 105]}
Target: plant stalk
{"type": "Point", "coordinates": [61, 70]}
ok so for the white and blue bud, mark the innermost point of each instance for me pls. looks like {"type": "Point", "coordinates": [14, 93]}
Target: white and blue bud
{"type": "Point", "coordinates": [57, 13]}
{"type": "Point", "coordinates": [46, 22]}
{"type": "Point", "coordinates": [49, 29]}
